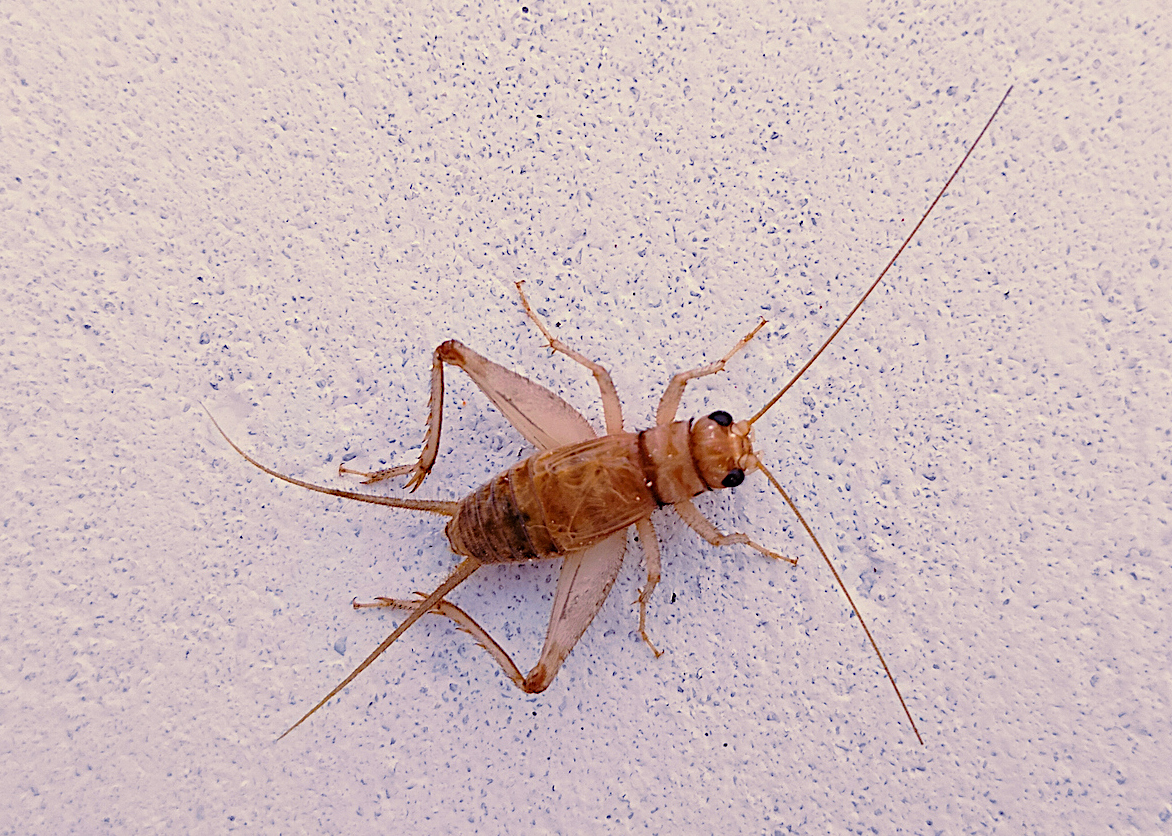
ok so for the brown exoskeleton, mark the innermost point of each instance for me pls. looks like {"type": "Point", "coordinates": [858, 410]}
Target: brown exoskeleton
{"type": "Point", "coordinates": [576, 496]}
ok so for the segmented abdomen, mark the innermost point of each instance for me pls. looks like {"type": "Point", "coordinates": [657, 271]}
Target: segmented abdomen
{"type": "Point", "coordinates": [553, 502]}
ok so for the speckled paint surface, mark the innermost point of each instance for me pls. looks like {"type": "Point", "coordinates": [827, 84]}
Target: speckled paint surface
{"type": "Point", "coordinates": [279, 213]}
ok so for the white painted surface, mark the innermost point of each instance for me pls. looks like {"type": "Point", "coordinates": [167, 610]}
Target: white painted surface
{"type": "Point", "coordinates": [281, 213]}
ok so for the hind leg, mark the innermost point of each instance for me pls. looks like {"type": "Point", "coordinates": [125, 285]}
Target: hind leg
{"type": "Point", "coordinates": [545, 420]}
{"type": "Point", "coordinates": [465, 622]}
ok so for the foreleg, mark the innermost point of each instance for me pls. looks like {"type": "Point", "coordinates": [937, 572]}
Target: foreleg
{"type": "Point", "coordinates": [699, 523]}
{"type": "Point", "coordinates": [670, 401]}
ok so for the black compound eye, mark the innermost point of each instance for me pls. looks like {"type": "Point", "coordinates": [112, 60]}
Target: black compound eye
{"type": "Point", "coordinates": [735, 476]}
{"type": "Point", "coordinates": [724, 419]}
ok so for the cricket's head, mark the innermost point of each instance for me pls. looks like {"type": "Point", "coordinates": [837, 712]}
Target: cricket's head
{"type": "Point", "coordinates": [722, 449]}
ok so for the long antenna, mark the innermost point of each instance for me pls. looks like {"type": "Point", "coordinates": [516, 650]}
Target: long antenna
{"type": "Point", "coordinates": [810, 362]}
{"type": "Point", "coordinates": [875, 284]}
{"type": "Point", "coordinates": [849, 599]}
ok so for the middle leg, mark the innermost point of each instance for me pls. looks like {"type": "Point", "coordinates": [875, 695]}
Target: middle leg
{"type": "Point", "coordinates": [650, 544]}
{"type": "Point", "coordinates": [612, 407]}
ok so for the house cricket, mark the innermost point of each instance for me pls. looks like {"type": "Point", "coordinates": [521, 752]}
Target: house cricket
{"type": "Point", "coordinates": [578, 494]}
